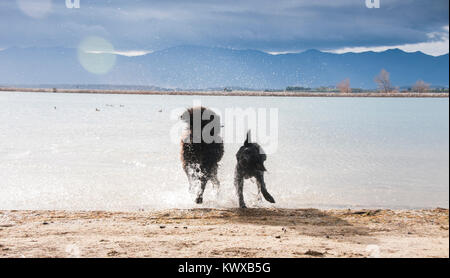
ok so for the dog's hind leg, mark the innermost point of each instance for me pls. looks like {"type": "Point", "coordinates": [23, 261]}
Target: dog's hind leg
{"type": "Point", "coordinates": [239, 184]}
{"type": "Point", "coordinates": [192, 180]}
{"type": "Point", "coordinates": [191, 183]}
{"type": "Point", "coordinates": [262, 187]}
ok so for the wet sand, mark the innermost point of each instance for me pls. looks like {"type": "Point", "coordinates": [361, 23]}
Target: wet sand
{"type": "Point", "coordinates": [226, 233]}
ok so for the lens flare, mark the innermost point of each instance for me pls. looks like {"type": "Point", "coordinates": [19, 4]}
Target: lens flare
{"type": "Point", "coordinates": [95, 54]}
{"type": "Point", "coordinates": [35, 8]}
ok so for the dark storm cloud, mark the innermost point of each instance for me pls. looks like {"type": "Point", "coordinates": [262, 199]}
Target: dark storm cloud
{"type": "Point", "coordinates": [258, 24]}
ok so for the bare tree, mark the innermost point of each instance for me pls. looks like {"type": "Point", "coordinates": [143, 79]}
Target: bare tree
{"type": "Point", "coordinates": [344, 86]}
{"type": "Point", "coordinates": [383, 81]}
{"type": "Point", "coordinates": [421, 86]}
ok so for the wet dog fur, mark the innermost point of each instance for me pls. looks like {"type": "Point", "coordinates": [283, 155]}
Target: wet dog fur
{"type": "Point", "coordinates": [200, 156]}
{"type": "Point", "coordinates": [250, 163]}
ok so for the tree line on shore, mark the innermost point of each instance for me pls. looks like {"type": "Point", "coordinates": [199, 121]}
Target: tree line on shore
{"type": "Point", "coordinates": [383, 82]}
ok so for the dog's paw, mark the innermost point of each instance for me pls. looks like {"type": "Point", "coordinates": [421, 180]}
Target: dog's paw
{"type": "Point", "coordinates": [199, 200]}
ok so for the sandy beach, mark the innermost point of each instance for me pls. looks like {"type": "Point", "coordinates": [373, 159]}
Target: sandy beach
{"type": "Point", "coordinates": [226, 233]}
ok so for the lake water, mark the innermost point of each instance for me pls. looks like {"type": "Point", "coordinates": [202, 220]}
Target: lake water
{"type": "Point", "coordinates": [332, 153]}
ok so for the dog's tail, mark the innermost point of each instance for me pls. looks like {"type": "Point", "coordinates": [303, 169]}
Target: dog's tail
{"type": "Point", "coordinates": [248, 139]}
{"type": "Point", "coordinates": [266, 194]}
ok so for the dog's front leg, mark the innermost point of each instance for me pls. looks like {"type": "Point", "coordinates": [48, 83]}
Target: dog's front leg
{"type": "Point", "coordinates": [203, 182]}
{"type": "Point", "coordinates": [239, 184]}
{"type": "Point", "coordinates": [192, 176]}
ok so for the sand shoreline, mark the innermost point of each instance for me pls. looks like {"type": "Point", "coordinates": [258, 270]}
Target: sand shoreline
{"type": "Point", "coordinates": [223, 93]}
{"type": "Point", "coordinates": [226, 233]}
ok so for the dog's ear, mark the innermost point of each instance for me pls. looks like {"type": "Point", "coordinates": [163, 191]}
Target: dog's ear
{"type": "Point", "coordinates": [263, 156]}
{"type": "Point", "coordinates": [247, 141]}
{"type": "Point", "coordinates": [261, 167]}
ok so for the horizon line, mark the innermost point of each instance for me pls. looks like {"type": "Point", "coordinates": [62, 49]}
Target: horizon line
{"type": "Point", "coordinates": [341, 51]}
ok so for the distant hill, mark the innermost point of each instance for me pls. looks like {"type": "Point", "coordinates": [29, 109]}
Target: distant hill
{"type": "Point", "coordinates": [195, 67]}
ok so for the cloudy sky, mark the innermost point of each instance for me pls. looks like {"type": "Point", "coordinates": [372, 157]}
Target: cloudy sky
{"type": "Point", "coordinates": [137, 26]}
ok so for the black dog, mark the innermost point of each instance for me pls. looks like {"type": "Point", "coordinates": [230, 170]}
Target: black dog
{"type": "Point", "coordinates": [250, 163]}
{"type": "Point", "coordinates": [200, 154]}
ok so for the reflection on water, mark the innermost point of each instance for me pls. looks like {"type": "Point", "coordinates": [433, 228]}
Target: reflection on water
{"type": "Point", "coordinates": [58, 152]}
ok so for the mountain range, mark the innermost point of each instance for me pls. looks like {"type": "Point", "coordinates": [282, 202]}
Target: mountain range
{"type": "Point", "coordinates": [197, 67]}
